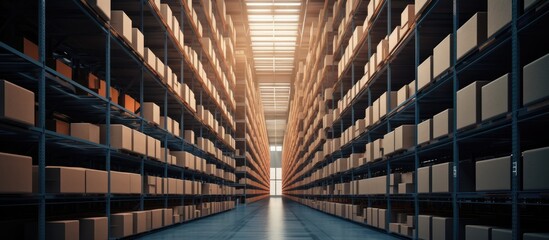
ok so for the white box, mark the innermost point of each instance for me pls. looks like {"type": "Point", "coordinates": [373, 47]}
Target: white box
{"type": "Point", "coordinates": [16, 103]}
{"type": "Point", "coordinates": [424, 179]}
{"type": "Point", "coordinates": [122, 24]}
{"type": "Point", "coordinates": [443, 123]}
{"type": "Point", "coordinates": [495, 98]}
{"type": "Point", "coordinates": [424, 73]}
{"type": "Point", "coordinates": [424, 227]}
{"type": "Point", "coordinates": [441, 175]}
{"type": "Point", "coordinates": [402, 95]}
{"type": "Point", "coordinates": [442, 228]}
{"type": "Point", "coordinates": [535, 86]}
{"type": "Point", "coordinates": [499, 14]}
{"type": "Point", "coordinates": [424, 131]}
{"type": "Point", "coordinates": [471, 34]}
{"type": "Point", "coordinates": [404, 137]}
{"type": "Point", "coordinates": [442, 56]}
{"type": "Point", "coordinates": [389, 143]}
{"type": "Point", "coordinates": [468, 104]}
{"type": "Point", "coordinates": [138, 42]}
{"type": "Point", "coordinates": [493, 174]}
{"type": "Point", "coordinates": [534, 172]}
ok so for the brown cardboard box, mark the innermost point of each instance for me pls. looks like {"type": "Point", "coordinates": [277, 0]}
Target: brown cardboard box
{"type": "Point", "coordinates": [404, 137]}
{"type": "Point", "coordinates": [64, 180]}
{"type": "Point", "coordinates": [139, 142]}
{"type": "Point", "coordinates": [189, 136]}
{"type": "Point", "coordinates": [58, 126]}
{"type": "Point", "coordinates": [135, 183]}
{"type": "Point", "coordinates": [151, 112]}
{"type": "Point", "coordinates": [63, 69]}
{"type": "Point", "coordinates": [16, 103]}
{"type": "Point", "coordinates": [96, 181]}
{"type": "Point", "coordinates": [30, 49]}
{"type": "Point", "coordinates": [137, 41]}
{"type": "Point", "coordinates": [471, 34]}
{"type": "Point", "coordinates": [139, 222]}
{"type": "Point", "coordinates": [468, 104]}
{"type": "Point", "coordinates": [122, 24]}
{"type": "Point", "coordinates": [86, 131]}
{"type": "Point", "coordinates": [127, 102]}
{"type": "Point", "coordinates": [120, 182]}
{"type": "Point", "coordinates": [151, 147]}
{"type": "Point", "coordinates": [94, 228]}
{"type": "Point", "coordinates": [156, 216]}
{"type": "Point", "coordinates": [115, 95]}
{"type": "Point", "coordinates": [167, 214]}
{"type": "Point", "coordinates": [15, 173]}
{"type": "Point", "coordinates": [68, 230]}
{"type": "Point", "coordinates": [121, 225]}
{"type": "Point", "coordinates": [121, 136]}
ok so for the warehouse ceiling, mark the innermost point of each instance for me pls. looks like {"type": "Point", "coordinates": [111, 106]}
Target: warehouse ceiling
{"type": "Point", "coordinates": [277, 40]}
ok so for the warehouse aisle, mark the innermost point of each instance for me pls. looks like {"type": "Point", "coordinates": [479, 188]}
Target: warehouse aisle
{"type": "Point", "coordinates": [274, 218]}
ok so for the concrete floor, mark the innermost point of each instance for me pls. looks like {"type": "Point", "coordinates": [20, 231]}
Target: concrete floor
{"type": "Point", "coordinates": [275, 219]}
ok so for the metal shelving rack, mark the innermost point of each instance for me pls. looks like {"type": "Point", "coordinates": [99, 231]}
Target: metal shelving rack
{"type": "Point", "coordinates": [506, 51]}
{"type": "Point", "coordinates": [74, 28]}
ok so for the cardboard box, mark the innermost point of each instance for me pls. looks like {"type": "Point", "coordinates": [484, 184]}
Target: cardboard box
{"type": "Point", "coordinates": [16, 103]}
{"type": "Point", "coordinates": [535, 86]}
{"type": "Point", "coordinates": [404, 137]}
{"type": "Point", "coordinates": [96, 181]}
{"type": "Point", "coordinates": [373, 64]}
{"type": "Point", "coordinates": [31, 49]}
{"type": "Point", "coordinates": [151, 112]}
{"type": "Point", "coordinates": [498, 15]}
{"type": "Point", "coordinates": [139, 142]}
{"type": "Point", "coordinates": [378, 149]}
{"type": "Point", "coordinates": [477, 232]}
{"type": "Point", "coordinates": [535, 236]}
{"type": "Point", "coordinates": [94, 228]}
{"type": "Point", "coordinates": [138, 42]}
{"type": "Point", "coordinates": [388, 143]}
{"type": "Point", "coordinates": [442, 56]}
{"type": "Point", "coordinates": [120, 182]}
{"type": "Point", "coordinates": [167, 216]}
{"type": "Point", "coordinates": [86, 131]}
{"type": "Point", "coordinates": [122, 24]}
{"type": "Point", "coordinates": [425, 73]}
{"type": "Point", "coordinates": [420, 5]}
{"type": "Point", "coordinates": [64, 180]}
{"type": "Point", "coordinates": [139, 222]}
{"type": "Point", "coordinates": [495, 98]}
{"type": "Point", "coordinates": [424, 131]}
{"type": "Point", "coordinates": [382, 216]}
{"type": "Point", "coordinates": [127, 102]}
{"type": "Point", "coordinates": [101, 7]}
{"type": "Point", "coordinates": [534, 172]}
{"type": "Point", "coordinates": [502, 234]}
{"type": "Point", "coordinates": [407, 17]}
{"type": "Point", "coordinates": [405, 188]}
{"type": "Point", "coordinates": [166, 13]}
{"type": "Point", "coordinates": [424, 179]}
{"type": "Point", "coordinates": [15, 173]}
{"type": "Point", "coordinates": [121, 225]}
{"type": "Point", "coordinates": [442, 228]}
{"type": "Point", "coordinates": [402, 95]}
{"type": "Point", "coordinates": [156, 218]}
{"type": "Point", "coordinates": [493, 174]}
{"type": "Point", "coordinates": [424, 227]}
{"type": "Point", "coordinates": [443, 123]}
{"type": "Point", "coordinates": [121, 136]}
{"type": "Point", "coordinates": [68, 230]}
{"type": "Point", "coordinates": [136, 183]}
{"type": "Point", "coordinates": [468, 105]}
{"type": "Point", "coordinates": [387, 102]}
{"type": "Point", "coordinates": [442, 178]}
{"type": "Point", "coordinates": [63, 69]}
{"type": "Point", "coordinates": [151, 147]}
{"type": "Point", "coordinates": [471, 34]}
{"type": "Point", "coordinates": [150, 58]}
{"type": "Point", "coordinates": [529, 3]}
